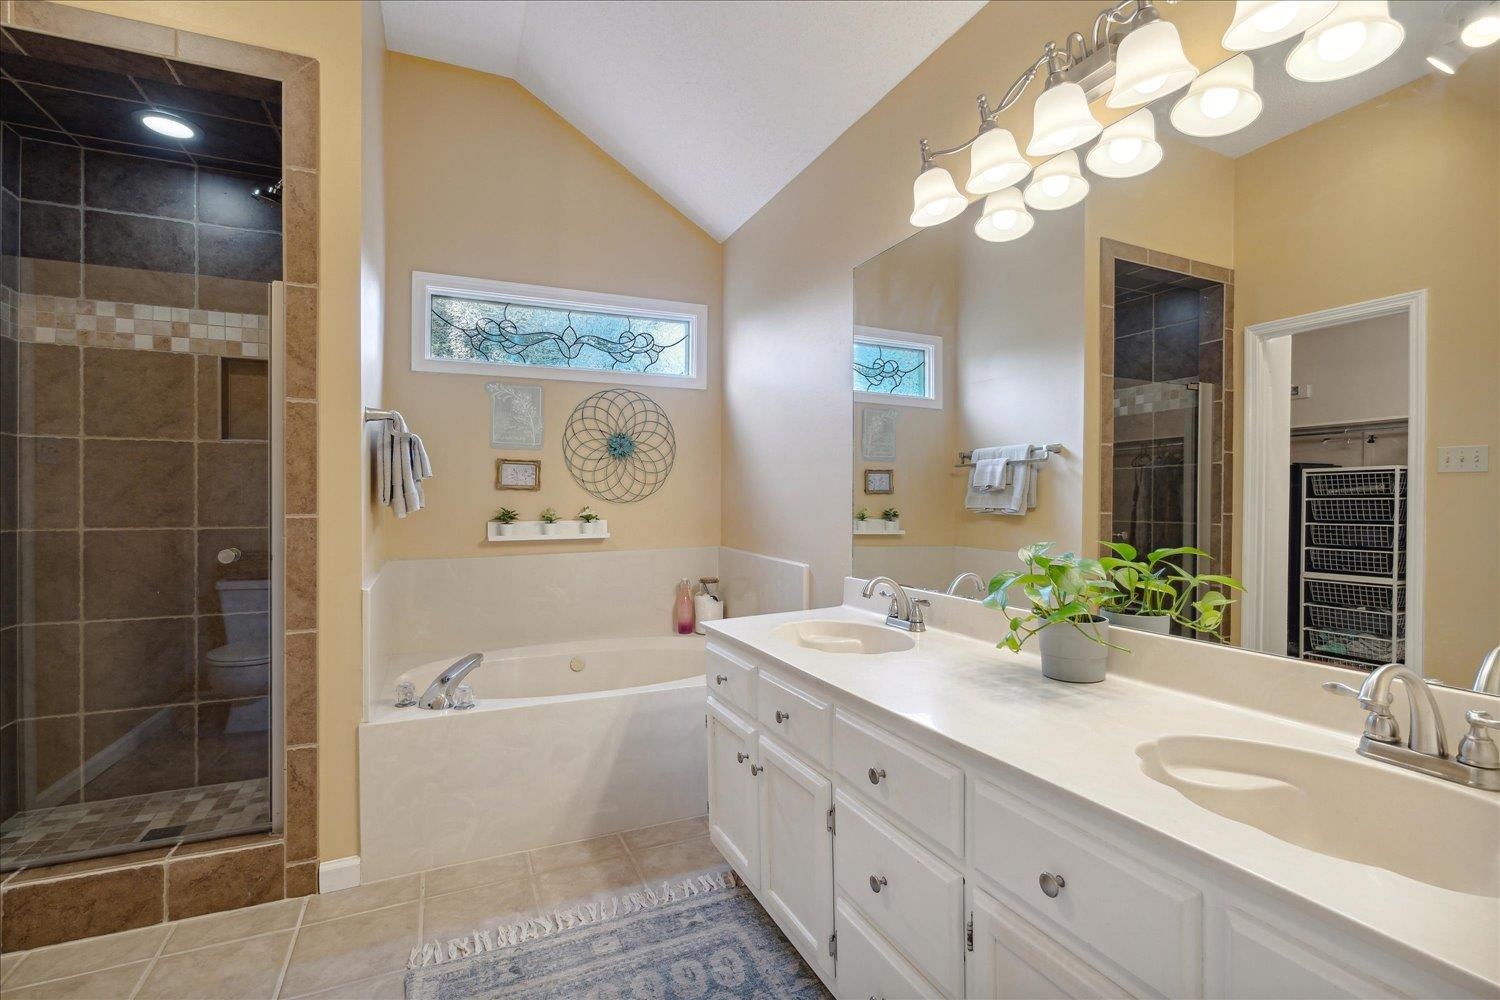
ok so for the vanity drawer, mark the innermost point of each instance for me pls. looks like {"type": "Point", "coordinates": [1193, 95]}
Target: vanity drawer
{"type": "Point", "coordinates": [869, 966]}
{"type": "Point", "coordinates": [795, 716]}
{"type": "Point", "coordinates": [731, 679]}
{"type": "Point", "coordinates": [1147, 922]}
{"type": "Point", "coordinates": [921, 789]}
{"type": "Point", "coordinates": [915, 900]}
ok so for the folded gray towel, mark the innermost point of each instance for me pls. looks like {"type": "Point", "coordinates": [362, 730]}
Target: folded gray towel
{"type": "Point", "coordinates": [402, 464]}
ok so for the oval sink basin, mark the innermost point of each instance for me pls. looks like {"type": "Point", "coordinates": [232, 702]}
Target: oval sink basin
{"type": "Point", "coordinates": [845, 637]}
{"type": "Point", "coordinates": [1371, 813]}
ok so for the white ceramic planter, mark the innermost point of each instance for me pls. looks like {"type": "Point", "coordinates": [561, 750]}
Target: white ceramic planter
{"type": "Point", "coordinates": [588, 527]}
{"type": "Point", "coordinates": [1159, 624]}
{"type": "Point", "coordinates": [506, 530]}
{"type": "Point", "coordinates": [1070, 653]}
{"type": "Point", "coordinates": [548, 529]}
{"type": "Point", "coordinates": [890, 525]}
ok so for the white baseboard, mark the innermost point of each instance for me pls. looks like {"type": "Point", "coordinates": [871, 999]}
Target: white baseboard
{"type": "Point", "coordinates": [340, 873]}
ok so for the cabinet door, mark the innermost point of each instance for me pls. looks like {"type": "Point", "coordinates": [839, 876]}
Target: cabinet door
{"type": "Point", "coordinates": [1013, 960]}
{"type": "Point", "coordinates": [1260, 961]}
{"type": "Point", "coordinates": [731, 792]}
{"type": "Point", "coordinates": [796, 849]}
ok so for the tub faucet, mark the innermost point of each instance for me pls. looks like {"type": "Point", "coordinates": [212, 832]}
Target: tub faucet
{"type": "Point", "coordinates": [439, 694]}
{"type": "Point", "coordinates": [905, 612]}
{"type": "Point", "coordinates": [962, 578]}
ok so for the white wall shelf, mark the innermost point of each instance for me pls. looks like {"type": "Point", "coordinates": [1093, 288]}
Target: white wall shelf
{"type": "Point", "coordinates": [880, 528]}
{"type": "Point", "coordinates": [562, 531]}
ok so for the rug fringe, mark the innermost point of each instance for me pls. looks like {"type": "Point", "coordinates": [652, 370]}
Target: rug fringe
{"type": "Point", "coordinates": [482, 939]}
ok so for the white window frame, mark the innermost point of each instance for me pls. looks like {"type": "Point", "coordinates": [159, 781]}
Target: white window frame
{"type": "Point", "coordinates": [931, 346]}
{"type": "Point", "coordinates": [425, 284]}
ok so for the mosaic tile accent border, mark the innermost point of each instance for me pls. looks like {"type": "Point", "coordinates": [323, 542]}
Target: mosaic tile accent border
{"type": "Point", "coordinates": [47, 319]}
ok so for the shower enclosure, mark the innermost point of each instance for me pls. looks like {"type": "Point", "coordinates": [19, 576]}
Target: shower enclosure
{"type": "Point", "coordinates": [138, 329]}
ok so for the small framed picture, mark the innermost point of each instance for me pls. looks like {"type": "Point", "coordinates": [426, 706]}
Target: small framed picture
{"type": "Point", "coordinates": [880, 480]}
{"type": "Point", "coordinates": [517, 474]}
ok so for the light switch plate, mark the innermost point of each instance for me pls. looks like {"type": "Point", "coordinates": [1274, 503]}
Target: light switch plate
{"type": "Point", "coordinates": [1464, 458]}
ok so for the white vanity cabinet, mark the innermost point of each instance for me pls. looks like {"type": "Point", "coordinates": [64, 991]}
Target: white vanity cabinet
{"type": "Point", "coordinates": [733, 807]}
{"type": "Point", "coordinates": [796, 847]}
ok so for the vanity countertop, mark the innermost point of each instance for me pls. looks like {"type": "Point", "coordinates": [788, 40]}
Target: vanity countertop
{"type": "Point", "coordinates": [1082, 739]}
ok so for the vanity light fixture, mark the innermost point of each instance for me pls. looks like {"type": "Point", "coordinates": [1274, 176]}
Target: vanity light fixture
{"type": "Point", "coordinates": [1219, 102]}
{"type": "Point", "coordinates": [1482, 28]}
{"type": "Point", "coordinates": [1449, 58]}
{"type": "Point", "coordinates": [1058, 183]}
{"type": "Point", "coordinates": [1004, 217]}
{"type": "Point", "coordinates": [1358, 35]}
{"type": "Point", "coordinates": [1061, 120]}
{"type": "Point", "coordinates": [995, 162]}
{"type": "Point", "coordinates": [935, 199]}
{"type": "Point", "coordinates": [1258, 23]}
{"type": "Point", "coordinates": [1150, 62]}
{"type": "Point", "coordinates": [1128, 148]}
{"type": "Point", "coordinates": [169, 125]}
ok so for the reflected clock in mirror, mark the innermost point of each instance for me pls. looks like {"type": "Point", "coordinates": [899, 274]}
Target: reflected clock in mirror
{"type": "Point", "coordinates": [1279, 344]}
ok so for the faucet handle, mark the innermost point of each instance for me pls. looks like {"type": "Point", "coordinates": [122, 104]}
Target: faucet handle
{"type": "Point", "coordinates": [1477, 749]}
{"type": "Point", "coordinates": [895, 608]}
{"type": "Point", "coordinates": [1380, 724]}
{"type": "Point", "coordinates": [1334, 687]}
{"type": "Point", "coordinates": [917, 604]}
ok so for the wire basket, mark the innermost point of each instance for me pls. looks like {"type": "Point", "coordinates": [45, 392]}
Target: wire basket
{"type": "Point", "coordinates": [1385, 597]}
{"type": "Point", "coordinates": [1349, 620]}
{"type": "Point", "coordinates": [1356, 562]}
{"type": "Point", "coordinates": [1356, 483]}
{"type": "Point", "coordinates": [1338, 661]}
{"type": "Point", "coordinates": [1357, 536]}
{"type": "Point", "coordinates": [1347, 510]}
{"type": "Point", "coordinates": [1346, 646]}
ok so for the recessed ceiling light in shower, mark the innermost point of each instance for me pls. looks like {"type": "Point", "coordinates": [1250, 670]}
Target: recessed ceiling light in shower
{"type": "Point", "coordinates": [168, 125]}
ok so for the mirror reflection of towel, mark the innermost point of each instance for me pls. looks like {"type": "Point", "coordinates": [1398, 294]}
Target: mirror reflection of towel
{"type": "Point", "coordinates": [1003, 481]}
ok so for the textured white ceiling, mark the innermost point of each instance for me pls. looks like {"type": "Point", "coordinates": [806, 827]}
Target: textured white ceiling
{"type": "Point", "coordinates": [716, 106]}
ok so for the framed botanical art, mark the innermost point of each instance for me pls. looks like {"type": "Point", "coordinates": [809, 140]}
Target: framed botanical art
{"type": "Point", "coordinates": [880, 480]}
{"type": "Point", "coordinates": [517, 474]}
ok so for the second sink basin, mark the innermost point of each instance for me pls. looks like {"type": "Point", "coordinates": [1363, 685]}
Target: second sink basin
{"type": "Point", "coordinates": [1370, 813]}
{"type": "Point", "coordinates": [845, 637]}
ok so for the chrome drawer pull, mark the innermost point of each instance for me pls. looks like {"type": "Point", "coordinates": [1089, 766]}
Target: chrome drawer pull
{"type": "Point", "coordinates": [1052, 884]}
{"type": "Point", "coordinates": [877, 775]}
{"type": "Point", "coordinates": [721, 679]}
{"type": "Point", "coordinates": [755, 769]}
{"type": "Point", "coordinates": [782, 716]}
{"type": "Point", "coordinates": [740, 758]}
{"type": "Point", "coordinates": [877, 881]}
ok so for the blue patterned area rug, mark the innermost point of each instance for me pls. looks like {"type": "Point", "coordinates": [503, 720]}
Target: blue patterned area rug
{"type": "Point", "coordinates": [714, 945]}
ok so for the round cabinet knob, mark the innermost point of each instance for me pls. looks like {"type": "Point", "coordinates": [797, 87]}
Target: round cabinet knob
{"type": "Point", "coordinates": [740, 758]}
{"type": "Point", "coordinates": [229, 555]}
{"type": "Point", "coordinates": [782, 716]}
{"type": "Point", "coordinates": [1051, 884]}
{"type": "Point", "coordinates": [721, 679]}
{"type": "Point", "coordinates": [878, 882]}
{"type": "Point", "coordinates": [877, 775]}
{"type": "Point", "coordinates": [755, 769]}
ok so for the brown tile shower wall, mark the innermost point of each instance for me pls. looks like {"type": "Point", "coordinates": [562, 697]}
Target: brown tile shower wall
{"type": "Point", "coordinates": [62, 902]}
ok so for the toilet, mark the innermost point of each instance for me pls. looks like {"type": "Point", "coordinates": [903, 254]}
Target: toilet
{"type": "Point", "coordinates": [241, 668]}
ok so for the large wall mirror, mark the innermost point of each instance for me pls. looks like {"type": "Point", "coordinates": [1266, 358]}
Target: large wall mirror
{"type": "Point", "coordinates": [1280, 346]}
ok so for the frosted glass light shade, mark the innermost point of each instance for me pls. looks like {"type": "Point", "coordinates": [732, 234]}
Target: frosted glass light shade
{"type": "Point", "coordinates": [1004, 217]}
{"type": "Point", "coordinates": [1258, 23]}
{"type": "Point", "coordinates": [995, 162]}
{"type": "Point", "coordinates": [1128, 148]}
{"type": "Point", "coordinates": [1358, 35]}
{"type": "Point", "coordinates": [1058, 183]}
{"type": "Point", "coordinates": [1483, 28]}
{"type": "Point", "coordinates": [1221, 101]}
{"type": "Point", "coordinates": [935, 199]}
{"type": "Point", "coordinates": [1149, 63]}
{"type": "Point", "coordinates": [1061, 120]}
{"type": "Point", "coordinates": [1448, 59]}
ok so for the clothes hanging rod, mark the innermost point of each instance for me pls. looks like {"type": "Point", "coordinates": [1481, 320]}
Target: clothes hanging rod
{"type": "Point", "coordinates": [1351, 430]}
{"type": "Point", "coordinates": [966, 458]}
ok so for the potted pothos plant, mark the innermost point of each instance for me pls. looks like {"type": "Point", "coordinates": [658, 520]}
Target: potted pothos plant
{"type": "Point", "coordinates": [588, 521]}
{"type": "Point", "coordinates": [1064, 597]}
{"type": "Point", "coordinates": [506, 518]}
{"type": "Point", "coordinates": [1154, 590]}
{"type": "Point", "coordinates": [549, 521]}
{"type": "Point", "coordinates": [892, 518]}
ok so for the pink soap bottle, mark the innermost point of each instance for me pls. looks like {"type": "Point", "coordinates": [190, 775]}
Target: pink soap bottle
{"type": "Point", "coordinates": [682, 609]}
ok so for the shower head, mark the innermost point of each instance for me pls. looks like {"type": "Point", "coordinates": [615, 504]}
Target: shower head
{"type": "Point", "coordinates": [269, 193]}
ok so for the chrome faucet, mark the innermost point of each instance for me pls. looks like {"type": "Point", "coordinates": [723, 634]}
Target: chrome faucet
{"type": "Point", "coordinates": [905, 611]}
{"type": "Point", "coordinates": [439, 694]}
{"type": "Point", "coordinates": [1487, 680]}
{"type": "Point", "coordinates": [963, 578]}
{"type": "Point", "coordinates": [1425, 748]}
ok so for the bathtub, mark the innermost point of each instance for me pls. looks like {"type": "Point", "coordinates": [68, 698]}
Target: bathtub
{"type": "Point", "coordinates": [566, 741]}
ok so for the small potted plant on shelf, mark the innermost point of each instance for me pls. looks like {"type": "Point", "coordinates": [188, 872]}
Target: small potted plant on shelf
{"type": "Point", "coordinates": [506, 518]}
{"type": "Point", "coordinates": [860, 517]}
{"type": "Point", "coordinates": [549, 521]}
{"type": "Point", "coordinates": [588, 521]}
{"type": "Point", "coordinates": [892, 518]}
{"type": "Point", "coordinates": [1153, 591]}
{"type": "Point", "coordinates": [1065, 594]}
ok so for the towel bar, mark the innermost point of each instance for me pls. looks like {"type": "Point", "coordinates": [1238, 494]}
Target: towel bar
{"type": "Point", "coordinates": [373, 414]}
{"type": "Point", "coordinates": [965, 458]}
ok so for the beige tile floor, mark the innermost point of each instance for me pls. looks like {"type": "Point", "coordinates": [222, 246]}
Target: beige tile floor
{"type": "Point", "coordinates": [355, 943]}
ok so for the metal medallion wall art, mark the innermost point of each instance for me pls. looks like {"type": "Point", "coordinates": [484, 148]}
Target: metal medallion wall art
{"type": "Point", "coordinates": [619, 445]}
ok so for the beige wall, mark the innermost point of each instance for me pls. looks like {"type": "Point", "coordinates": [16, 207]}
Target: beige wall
{"type": "Point", "coordinates": [527, 198]}
{"type": "Point", "coordinates": [1352, 373]}
{"type": "Point", "coordinates": [330, 32]}
{"type": "Point", "coordinates": [1414, 206]}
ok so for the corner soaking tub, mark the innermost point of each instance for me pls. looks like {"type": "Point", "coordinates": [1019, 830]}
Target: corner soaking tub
{"type": "Point", "coordinates": [567, 741]}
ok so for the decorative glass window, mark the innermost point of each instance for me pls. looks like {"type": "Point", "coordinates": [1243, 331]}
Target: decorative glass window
{"type": "Point", "coordinates": [529, 331]}
{"type": "Point", "coordinates": [903, 369]}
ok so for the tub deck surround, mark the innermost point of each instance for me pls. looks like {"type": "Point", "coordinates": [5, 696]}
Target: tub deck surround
{"type": "Point", "coordinates": [992, 710]}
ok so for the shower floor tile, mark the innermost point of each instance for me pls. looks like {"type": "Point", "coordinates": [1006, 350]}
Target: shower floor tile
{"type": "Point", "coordinates": [66, 833]}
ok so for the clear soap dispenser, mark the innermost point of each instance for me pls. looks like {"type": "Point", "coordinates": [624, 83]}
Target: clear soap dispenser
{"type": "Point", "coordinates": [682, 608]}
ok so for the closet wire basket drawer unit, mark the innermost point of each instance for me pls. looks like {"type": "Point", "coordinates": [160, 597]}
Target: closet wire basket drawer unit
{"type": "Point", "coordinates": [1357, 595]}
